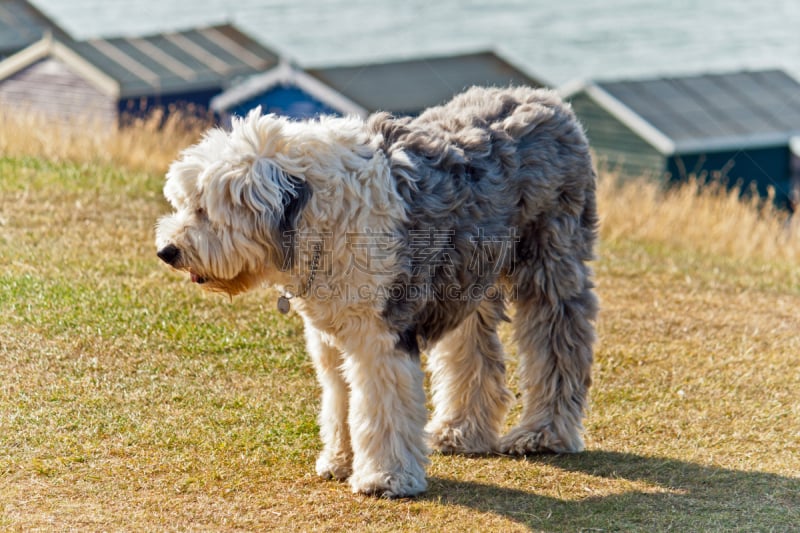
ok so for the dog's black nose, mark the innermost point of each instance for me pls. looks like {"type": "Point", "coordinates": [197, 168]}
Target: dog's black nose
{"type": "Point", "coordinates": [169, 254]}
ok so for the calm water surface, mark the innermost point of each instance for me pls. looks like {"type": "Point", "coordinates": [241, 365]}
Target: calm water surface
{"type": "Point", "coordinates": [557, 41]}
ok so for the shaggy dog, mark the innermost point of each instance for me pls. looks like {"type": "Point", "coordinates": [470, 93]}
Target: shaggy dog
{"type": "Point", "coordinates": [397, 235]}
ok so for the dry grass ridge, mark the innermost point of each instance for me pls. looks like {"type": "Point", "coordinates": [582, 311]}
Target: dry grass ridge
{"type": "Point", "coordinates": [129, 400]}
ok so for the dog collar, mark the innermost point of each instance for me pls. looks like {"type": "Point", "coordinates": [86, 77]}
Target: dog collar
{"type": "Point", "coordinates": [283, 300]}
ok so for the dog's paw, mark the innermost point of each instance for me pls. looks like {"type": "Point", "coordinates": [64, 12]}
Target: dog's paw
{"type": "Point", "coordinates": [524, 441]}
{"type": "Point", "coordinates": [388, 484]}
{"type": "Point", "coordinates": [465, 439]}
{"type": "Point", "coordinates": [331, 466]}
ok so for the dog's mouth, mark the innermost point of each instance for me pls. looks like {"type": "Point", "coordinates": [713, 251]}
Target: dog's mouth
{"type": "Point", "coordinates": [197, 278]}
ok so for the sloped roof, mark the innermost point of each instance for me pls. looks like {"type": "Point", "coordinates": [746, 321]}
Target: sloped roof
{"type": "Point", "coordinates": [176, 62]}
{"type": "Point", "coordinates": [284, 75]}
{"type": "Point", "coordinates": [706, 112]}
{"type": "Point", "coordinates": [21, 25]}
{"type": "Point", "coordinates": [166, 63]}
{"type": "Point", "coordinates": [48, 46]}
{"type": "Point", "coordinates": [410, 86]}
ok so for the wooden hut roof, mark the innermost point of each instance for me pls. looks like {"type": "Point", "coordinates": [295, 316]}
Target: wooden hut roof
{"type": "Point", "coordinates": [165, 63]}
{"type": "Point", "coordinates": [710, 112]}
{"type": "Point", "coordinates": [22, 24]}
{"type": "Point", "coordinates": [177, 62]}
{"type": "Point", "coordinates": [410, 86]}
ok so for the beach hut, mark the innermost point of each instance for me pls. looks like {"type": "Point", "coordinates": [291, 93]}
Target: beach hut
{"type": "Point", "coordinates": [284, 90]}
{"type": "Point", "coordinates": [22, 24]}
{"type": "Point", "coordinates": [409, 86]}
{"type": "Point", "coordinates": [735, 127]}
{"type": "Point", "coordinates": [107, 79]}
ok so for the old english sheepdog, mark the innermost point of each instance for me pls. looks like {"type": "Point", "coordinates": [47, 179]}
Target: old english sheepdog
{"type": "Point", "coordinates": [393, 236]}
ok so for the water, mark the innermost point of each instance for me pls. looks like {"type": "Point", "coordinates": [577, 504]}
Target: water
{"type": "Point", "coordinates": [556, 41]}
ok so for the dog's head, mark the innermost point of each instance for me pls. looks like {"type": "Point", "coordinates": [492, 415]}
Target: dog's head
{"type": "Point", "coordinates": [237, 198]}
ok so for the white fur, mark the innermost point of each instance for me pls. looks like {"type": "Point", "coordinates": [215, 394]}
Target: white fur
{"type": "Point", "coordinates": [380, 437]}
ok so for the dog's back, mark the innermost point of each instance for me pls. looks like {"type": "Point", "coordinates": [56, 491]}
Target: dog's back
{"type": "Point", "coordinates": [487, 143]}
{"type": "Point", "coordinates": [476, 174]}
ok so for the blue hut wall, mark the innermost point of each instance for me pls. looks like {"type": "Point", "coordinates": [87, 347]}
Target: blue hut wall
{"type": "Point", "coordinates": [287, 101]}
{"type": "Point", "coordinates": [761, 167]}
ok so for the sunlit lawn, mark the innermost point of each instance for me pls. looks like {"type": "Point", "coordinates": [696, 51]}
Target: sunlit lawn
{"type": "Point", "coordinates": [129, 400]}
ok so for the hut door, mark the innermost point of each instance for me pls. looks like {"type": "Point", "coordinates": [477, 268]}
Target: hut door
{"type": "Point", "coordinates": [794, 174]}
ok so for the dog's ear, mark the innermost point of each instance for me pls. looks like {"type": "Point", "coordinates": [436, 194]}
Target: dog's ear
{"type": "Point", "coordinates": [277, 200]}
{"type": "Point", "coordinates": [294, 202]}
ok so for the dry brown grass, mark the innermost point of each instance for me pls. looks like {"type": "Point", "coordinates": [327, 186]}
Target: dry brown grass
{"type": "Point", "coordinates": [705, 217]}
{"type": "Point", "coordinates": [131, 401]}
{"type": "Point", "coordinates": [148, 143]}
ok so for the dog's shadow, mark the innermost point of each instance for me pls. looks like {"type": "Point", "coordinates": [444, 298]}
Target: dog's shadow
{"type": "Point", "coordinates": [669, 495]}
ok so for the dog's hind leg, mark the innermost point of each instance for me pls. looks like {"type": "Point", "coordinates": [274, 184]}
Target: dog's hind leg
{"type": "Point", "coordinates": [468, 383]}
{"type": "Point", "coordinates": [553, 328]}
{"type": "Point", "coordinates": [336, 458]}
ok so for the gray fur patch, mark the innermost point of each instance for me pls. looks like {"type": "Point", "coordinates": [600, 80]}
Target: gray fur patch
{"type": "Point", "coordinates": [486, 179]}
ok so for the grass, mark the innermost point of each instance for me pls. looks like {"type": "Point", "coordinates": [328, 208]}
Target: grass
{"type": "Point", "coordinates": [129, 400]}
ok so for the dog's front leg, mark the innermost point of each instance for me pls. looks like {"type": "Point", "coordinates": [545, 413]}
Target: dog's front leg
{"type": "Point", "coordinates": [335, 461]}
{"type": "Point", "coordinates": [387, 419]}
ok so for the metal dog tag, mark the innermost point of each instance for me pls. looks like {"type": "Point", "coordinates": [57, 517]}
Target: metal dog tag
{"type": "Point", "coordinates": [283, 304]}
